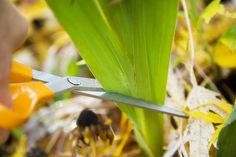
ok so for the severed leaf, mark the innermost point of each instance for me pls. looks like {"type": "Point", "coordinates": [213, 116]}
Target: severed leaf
{"type": "Point", "coordinates": [227, 137]}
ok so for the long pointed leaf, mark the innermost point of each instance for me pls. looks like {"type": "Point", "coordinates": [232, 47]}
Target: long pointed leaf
{"type": "Point", "coordinates": [126, 44]}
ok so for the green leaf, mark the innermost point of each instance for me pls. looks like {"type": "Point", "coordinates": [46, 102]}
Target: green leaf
{"type": "Point", "coordinates": [17, 133]}
{"type": "Point", "coordinates": [227, 137]}
{"type": "Point", "coordinates": [126, 44]}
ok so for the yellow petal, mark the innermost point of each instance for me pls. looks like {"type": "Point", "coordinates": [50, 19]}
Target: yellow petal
{"type": "Point", "coordinates": [224, 56]}
{"type": "Point", "coordinates": [209, 117]}
{"type": "Point", "coordinates": [215, 135]}
{"type": "Point", "coordinates": [225, 106]}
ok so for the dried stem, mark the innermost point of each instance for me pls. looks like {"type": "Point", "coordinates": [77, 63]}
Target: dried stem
{"type": "Point", "coordinates": [192, 75]}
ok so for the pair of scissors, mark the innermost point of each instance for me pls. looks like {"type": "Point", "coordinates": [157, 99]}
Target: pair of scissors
{"type": "Point", "coordinates": [30, 88]}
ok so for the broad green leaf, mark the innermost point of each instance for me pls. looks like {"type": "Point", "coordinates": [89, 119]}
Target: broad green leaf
{"type": "Point", "coordinates": [126, 44]}
{"type": "Point", "coordinates": [227, 137]}
{"type": "Point", "coordinates": [225, 50]}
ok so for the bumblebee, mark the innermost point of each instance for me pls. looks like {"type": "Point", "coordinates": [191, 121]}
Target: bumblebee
{"type": "Point", "coordinates": [91, 127]}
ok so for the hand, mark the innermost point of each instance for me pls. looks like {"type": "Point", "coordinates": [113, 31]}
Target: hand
{"type": "Point", "coordinates": [13, 31]}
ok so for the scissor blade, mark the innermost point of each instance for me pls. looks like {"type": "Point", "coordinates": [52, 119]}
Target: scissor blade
{"type": "Point", "coordinates": [92, 88]}
{"type": "Point", "coordinates": [85, 84]}
{"type": "Point", "coordinates": [61, 84]}
{"type": "Point", "coordinates": [134, 102]}
{"type": "Point", "coordinates": [68, 83]}
{"type": "Point", "coordinates": [44, 76]}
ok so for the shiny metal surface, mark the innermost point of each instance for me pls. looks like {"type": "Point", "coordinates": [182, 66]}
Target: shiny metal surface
{"type": "Point", "coordinates": [92, 88]}
{"type": "Point", "coordinates": [74, 83]}
{"type": "Point", "coordinates": [44, 77]}
{"type": "Point", "coordinates": [134, 102]}
{"type": "Point", "coordinates": [85, 84]}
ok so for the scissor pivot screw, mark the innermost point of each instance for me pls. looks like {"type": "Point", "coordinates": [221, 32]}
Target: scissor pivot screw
{"type": "Point", "coordinates": [74, 81]}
